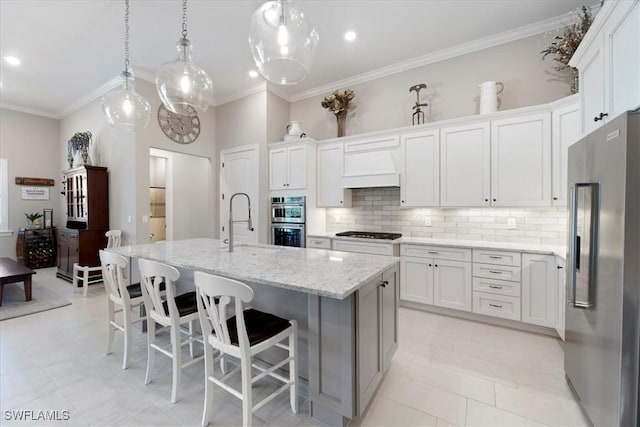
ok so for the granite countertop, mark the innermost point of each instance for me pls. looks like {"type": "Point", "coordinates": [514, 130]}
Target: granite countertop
{"type": "Point", "coordinates": [314, 271]}
{"type": "Point", "coordinates": [557, 250]}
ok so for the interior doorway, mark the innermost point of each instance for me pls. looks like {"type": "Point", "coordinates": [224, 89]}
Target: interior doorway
{"type": "Point", "coordinates": [158, 198]}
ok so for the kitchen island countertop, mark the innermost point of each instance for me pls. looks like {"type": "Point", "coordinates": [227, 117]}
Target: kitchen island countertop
{"type": "Point", "coordinates": [313, 271]}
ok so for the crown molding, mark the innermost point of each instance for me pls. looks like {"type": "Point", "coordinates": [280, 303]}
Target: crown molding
{"type": "Point", "coordinates": [440, 55]}
{"type": "Point", "coordinates": [27, 110]}
{"type": "Point", "coordinates": [260, 87]}
{"type": "Point", "coordinates": [90, 97]}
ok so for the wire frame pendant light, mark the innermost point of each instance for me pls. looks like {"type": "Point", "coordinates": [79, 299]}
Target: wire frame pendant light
{"type": "Point", "coordinates": [125, 108]}
{"type": "Point", "coordinates": [181, 83]}
{"type": "Point", "coordinates": [283, 42]}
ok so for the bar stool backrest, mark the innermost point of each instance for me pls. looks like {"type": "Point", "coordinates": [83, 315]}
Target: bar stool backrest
{"type": "Point", "coordinates": [152, 274]}
{"type": "Point", "coordinates": [114, 238]}
{"type": "Point", "coordinates": [113, 267]}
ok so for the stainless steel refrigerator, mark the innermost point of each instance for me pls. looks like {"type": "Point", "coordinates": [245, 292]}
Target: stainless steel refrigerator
{"type": "Point", "coordinates": [603, 276]}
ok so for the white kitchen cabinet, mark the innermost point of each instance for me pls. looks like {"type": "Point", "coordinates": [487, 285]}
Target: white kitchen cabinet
{"type": "Point", "coordinates": [521, 161]}
{"type": "Point", "coordinates": [561, 300]}
{"type": "Point", "coordinates": [496, 305]}
{"type": "Point", "coordinates": [363, 247]}
{"type": "Point", "coordinates": [420, 166]}
{"type": "Point", "coordinates": [539, 290]}
{"type": "Point", "coordinates": [452, 284]}
{"type": "Point", "coordinates": [416, 275]}
{"type": "Point", "coordinates": [608, 61]}
{"type": "Point", "coordinates": [371, 161]}
{"type": "Point", "coordinates": [331, 194]}
{"type": "Point", "coordinates": [565, 131]}
{"type": "Point", "coordinates": [465, 163]}
{"type": "Point", "coordinates": [318, 242]}
{"type": "Point", "coordinates": [288, 167]}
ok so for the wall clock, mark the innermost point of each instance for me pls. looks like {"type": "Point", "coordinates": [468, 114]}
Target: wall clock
{"type": "Point", "coordinates": [183, 129]}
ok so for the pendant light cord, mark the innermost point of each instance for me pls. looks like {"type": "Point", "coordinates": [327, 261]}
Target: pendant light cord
{"type": "Point", "coordinates": [184, 19]}
{"type": "Point", "coordinates": [126, 36]}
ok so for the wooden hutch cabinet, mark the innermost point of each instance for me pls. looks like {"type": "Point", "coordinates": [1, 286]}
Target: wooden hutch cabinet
{"type": "Point", "coordinates": [86, 191]}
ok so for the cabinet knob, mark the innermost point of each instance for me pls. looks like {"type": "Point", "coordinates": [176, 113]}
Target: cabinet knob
{"type": "Point", "coordinates": [559, 267]}
{"type": "Point", "coordinates": [384, 284]}
{"type": "Point", "coordinates": [600, 117]}
{"type": "Point", "coordinates": [495, 200]}
{"type": "Point", "coordinates": [429, 265]}
{"type": "Point", "coordinates": [340, 201]}
{"type": "Point", "coordinates": [555, 198]}
{"type": "Point", "coordinates": [486, 200]}
{"type": "Point", "coordinates": [436, 265]}
{"type": "Point", "coordinates": [401, 201]}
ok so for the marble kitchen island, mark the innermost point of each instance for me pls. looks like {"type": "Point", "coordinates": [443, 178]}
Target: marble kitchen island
{"type": "Point", "coordinates": [345, 305]}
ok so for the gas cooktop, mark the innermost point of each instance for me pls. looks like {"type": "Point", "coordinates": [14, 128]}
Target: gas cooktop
{"type": "Point", "coordinates": [370, 235]}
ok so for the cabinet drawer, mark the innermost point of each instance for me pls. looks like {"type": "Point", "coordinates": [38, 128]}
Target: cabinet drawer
{"type": "Point", "coordinates": [491, 271]}
{"type": "Point", "coordinates": [436, 252]}
{"type": "Point", "coordinates": [493, 286]}
{"type": "Point", "coordinates": [318, 242]}
{"type": "Point", "coordinates": [363, 247]}
{"type": "Point", "coordinates": [496, 305]}
{"type": "Point", "coordinates": [497, 257]}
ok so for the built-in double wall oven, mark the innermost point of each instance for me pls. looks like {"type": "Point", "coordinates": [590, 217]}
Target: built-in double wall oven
{"type": "Point", "coordinates": [288, 221]}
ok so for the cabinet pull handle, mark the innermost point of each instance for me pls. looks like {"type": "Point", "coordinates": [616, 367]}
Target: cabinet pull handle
{"type": "Point", "coordinates": [555, 198]}
{"type": "Point", "coordinates": [495, 305]}
{"type": "Point", "coordinates": [495, 287]}
{"type": "Point", "coordinates": [434, 252]}
{"type": "Point", "coordinates": [600, 117]}
{"type": "Point", "coordinates": [384, 284]}
{"type": "Point", "coordinates": [495, 272]}
{"type": "Point", "coordinates": [495, 257]}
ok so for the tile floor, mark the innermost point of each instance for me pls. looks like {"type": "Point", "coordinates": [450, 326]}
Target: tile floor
{"type": "Point", "coordinates": [446, 372]}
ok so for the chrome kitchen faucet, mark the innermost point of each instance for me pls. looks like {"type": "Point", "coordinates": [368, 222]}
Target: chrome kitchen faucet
{"type": "Point", "coordinates": [231, 221]}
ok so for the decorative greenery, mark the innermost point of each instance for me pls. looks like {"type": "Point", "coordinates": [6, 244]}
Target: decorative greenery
{"type": "Point", "coordinates": [33, 216]}
{"type": "Point", "coordinates": [564, 46]}
{"type": "Point", "coordinates": [338, 101]}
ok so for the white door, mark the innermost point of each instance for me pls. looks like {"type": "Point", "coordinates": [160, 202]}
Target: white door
{"type": "Point", "coordinates": [465, 163]}
{"type": "Point", "coordinates": [330, 168]}
{"type": "Point", "coordinates": [521, 161]}
{"type": "Point", "coordinates": [420, 166]}
{"type": "Point", "coordinates": [416, 280]}
{"type": "Point", "coordinates": [297, 165]}
{"type": "Point", "coordinates": [452, 284]}
{"type": "Point", "coordinates": [539, 289]}
{"type": "Point", "coordinates": [239, 174]}
{"type": "Point", "coordinates": [592, 89]}
{"type": "Point", "coordinates": [565, 130]}
{"type": "Point", "coordinates": [278, 171]}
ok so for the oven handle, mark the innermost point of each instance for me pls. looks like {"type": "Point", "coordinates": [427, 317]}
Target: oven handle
{"type": "Point", "coordinates": [288, 225]}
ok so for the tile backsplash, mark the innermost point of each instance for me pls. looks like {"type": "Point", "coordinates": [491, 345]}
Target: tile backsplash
{"type": "Point", "coordinates": [378, 209]}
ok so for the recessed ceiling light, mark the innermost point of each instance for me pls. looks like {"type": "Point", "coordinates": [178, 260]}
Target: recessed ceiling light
{"type": "Point", "coordinates": [253, 74]}
{"type": "Point", "coordinates": [350, 36]}
{"type": "Point", "coordinates": [12, 60]}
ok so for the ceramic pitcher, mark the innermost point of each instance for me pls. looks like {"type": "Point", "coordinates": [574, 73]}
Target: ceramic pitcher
{"type": "Point", "coordinates": [489, 92]}
{"type": "Point", "coordinates": [294, 128]}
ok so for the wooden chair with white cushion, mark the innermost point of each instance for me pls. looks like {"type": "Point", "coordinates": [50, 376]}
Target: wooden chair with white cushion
{"type": "Point", "coordinates": [242, 337]}
{"type": "Point", "coordinates": [86, 274]}
{"type": "Point", "coordinates": [172, 313]}
{"type": "Point", "coordinates": [120, 293]}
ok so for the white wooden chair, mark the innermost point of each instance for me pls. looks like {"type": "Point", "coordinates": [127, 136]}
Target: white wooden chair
{"type": "Point", "coordinates": [242, 337]}
{"type": "Point", "coordinates": [84, 273]}
{"type": "Point", "coordinates": [119, 293]}
{"type": "Point", "coordinates": [172, 313]}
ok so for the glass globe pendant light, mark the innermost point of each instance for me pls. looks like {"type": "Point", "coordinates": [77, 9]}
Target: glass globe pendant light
{"type": "Point", "coordinates": [181, 83]}
{"type": "Point", "coordinates": [283, 42]}
{"type": "Point", "coordinates": [125, 108]}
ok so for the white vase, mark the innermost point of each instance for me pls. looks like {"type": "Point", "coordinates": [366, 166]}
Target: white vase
{"type": "Point", "coordinates": [489, 96]}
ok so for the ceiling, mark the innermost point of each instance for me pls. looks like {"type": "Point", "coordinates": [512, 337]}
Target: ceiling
{"type": "Point", "coordinates": [71, 48]}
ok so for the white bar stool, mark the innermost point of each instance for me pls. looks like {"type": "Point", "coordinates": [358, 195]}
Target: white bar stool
{"type": "Point", "coordinates": [242, 337]}
{"type": "Point", "coordinates": [83, 273]}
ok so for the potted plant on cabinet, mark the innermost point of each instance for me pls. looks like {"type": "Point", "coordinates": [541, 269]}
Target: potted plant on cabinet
{"type": "Point", "coordinates": [35, 220]}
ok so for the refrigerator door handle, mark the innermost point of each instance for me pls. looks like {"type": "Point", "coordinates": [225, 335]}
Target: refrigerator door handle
{"type": "Point", "coordinates": [572, 260]}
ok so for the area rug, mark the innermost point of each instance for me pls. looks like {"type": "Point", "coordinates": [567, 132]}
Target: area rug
{"type": "Point", "coordinates": [42, 299]}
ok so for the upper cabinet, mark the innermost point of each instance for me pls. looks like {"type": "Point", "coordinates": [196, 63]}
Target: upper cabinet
{"type": "Point", "coordinates": [565, 130]}
{"type": "Point", "coordinates": [420, 166]}
{"type": "Point", "coordinates": [521, 161]}
{"type": "Point", "coordinates": [465, 163]}
{"type": "Point", "coordinates": [608, 60]}
{"type": "Point", "coordinates": [371, 161]}
{"type": "Point", "coordinates": [290, 164]}
{"type": "Point", "coordinates": [331, 194]}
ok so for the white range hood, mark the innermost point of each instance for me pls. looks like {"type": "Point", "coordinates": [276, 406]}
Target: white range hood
{"type": "Point", "coordinates": [372, 162]}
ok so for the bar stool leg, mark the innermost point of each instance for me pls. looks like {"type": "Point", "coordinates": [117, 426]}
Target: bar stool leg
{"type": "Point", "coordinates": [177, 361]}
{"type": "Point", "coordinates": [247, 404]}
{"type": "Point", "coordinates": [293, 367]}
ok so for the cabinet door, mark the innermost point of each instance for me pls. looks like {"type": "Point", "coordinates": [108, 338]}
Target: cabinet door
{"type": "Point", "coordinates": [416, 276]}
{"type": "Point", "coordinates": [539, 289]}
{"type": "Point", "coordinates": [297, 162]}
{"type": "Point", "coordinates": [278, 172]}
{"type": "Point", "coordinates": [420, 169]}
{"type": "Point", "coordinates": [465, 165]}
{"type": "Point", "coordinates": [565, 130]}
{"type": "Point", "coordinates": [622, 38]}
{"type": "Point", "coordinates": [561, 297]}
{"type": "Point", "coordinates": [330, 170]}
{"type": "Point", "coordinates": [452, 284]}
{"type": "Point", "coordinates": [591, 82]}
{"type": "Point", "coordinates": [369, 339]}
{"type": "Point", "coordinates": [521, 161]}
{"type": "Point", "coordinates": [389, 328]}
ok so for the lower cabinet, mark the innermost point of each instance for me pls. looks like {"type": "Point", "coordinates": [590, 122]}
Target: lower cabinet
{"type": "Point", "coordinates": [452, 284]}
{"type": "Point", "coordinates": [377, 337]}
{"type": "Point", "coordinates": [561, 293]}
{"type": "Point", "coordinates": [78, 246]}
{"type": "Point", "coordinates": [539, 289]}
{"type": "Point", "coordinates": [417, 280]}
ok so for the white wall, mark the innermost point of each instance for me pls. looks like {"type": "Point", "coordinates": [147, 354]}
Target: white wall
{"type": "Point", "coordinates": [29, 143]}
{"type": "Point", "coordinates": [451, 90]}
